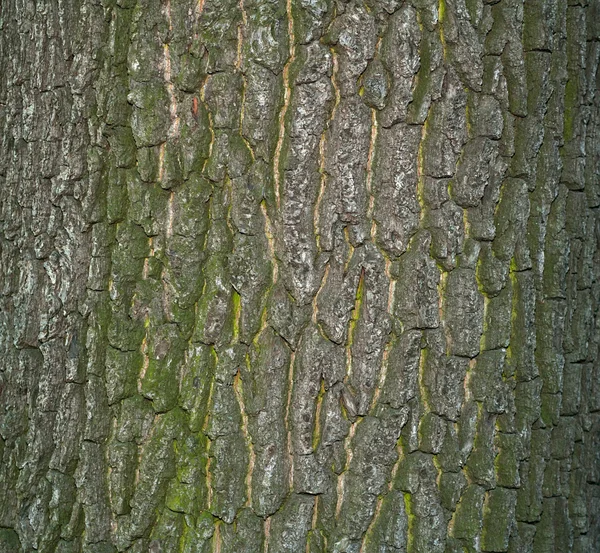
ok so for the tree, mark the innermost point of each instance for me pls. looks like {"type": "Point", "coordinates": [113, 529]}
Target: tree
{"type": "Point", "coordinates": [320, 276]}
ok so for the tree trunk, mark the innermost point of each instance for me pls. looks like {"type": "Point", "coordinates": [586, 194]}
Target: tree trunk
{"type": "Point", "coordinates": [314, 277]}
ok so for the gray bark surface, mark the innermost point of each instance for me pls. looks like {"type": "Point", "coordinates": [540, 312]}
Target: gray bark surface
{"type": "Point", "coordinates": [312, 276]}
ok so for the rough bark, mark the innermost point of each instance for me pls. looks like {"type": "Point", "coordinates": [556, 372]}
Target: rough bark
{"type": "Point", "coordinates": [316, 276]}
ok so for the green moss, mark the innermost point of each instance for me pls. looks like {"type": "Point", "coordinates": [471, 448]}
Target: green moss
{"type": "Point", "coordinates": [481, 460]}
{"type": "Point", "coordinates": [171, 174]}
{"type": "Point", "coordinates": [472, 6]}
{"type": "Point", "coordinates": [9, 540]}
{"type": "Point", "coordinates": [498, 516]}
{"type": "Point", "coordinates": [214, 313]}
{"type": "Point", "coordinates": [150, 117]}
{"type": "Point", "coordinates": [442, 10]}
{"type": "Point", "coordinates": [236, 313]}
{"type": "Point", "coordinates": [123, 332]}
{"type": "Point", "coordinates": [131, 250]}
{"type": "Point", "coordinates": [116, 195]}
{"type": "Point", "coordinates": [412, 520]}
{"type": "Point", "coordinates": [417, 109]}
{"type": "Point", "coordinates": [117, 110]}
{"type": "Point", "coordinates": [188, 492]}
{"type": "Point", "coordinates": [198, 375]}
{"type": "Point", "coordinates": [355, 316]}
{"type": "Point", "coordinates": [506, 463]}
{"type": "Point", "coordinates": [550, 409]}
{"type": "Point", "coordinates": [121, 36]}
{"type": "Point", "coordinates": [467, 519]}
{"type": "Point", "coordinates": [165, 354]}
{"type": "Point", "coordinates": [240, 156]}
{"type": "Point", "coordinates": [122, 147]}
{"type": "Point", "coordinates": [432, 430]}
{"type": "Point", "coordinates": [167, 531]}
{"type": "Point", "coordinates": [122, 369]}
{"type": "Point", "coordinates": [451, 485]}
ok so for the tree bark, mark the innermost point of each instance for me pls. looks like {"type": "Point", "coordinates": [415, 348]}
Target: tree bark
{"type": "Point", "coordinates": [316, 276]}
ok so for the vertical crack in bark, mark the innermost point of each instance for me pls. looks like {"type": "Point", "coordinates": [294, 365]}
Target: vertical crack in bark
{"type": "Point", "coordinates": [315, 305]}
{"type": "Point", "coordinates": [369, 181]}
{"type": "Point", "coordinates": [208, 480]}
{"type": "Point", "coordinates": [341, 480]}
{"type": "Point", "coordinates": [217, 537]}
{"type": "Point", "coordinates": [355, 316]}
{"type": "Point", "coordinates": [267, 534]}
{"type": "Point", "coordinates": [288, 407]}
{"type": "Point", "coordinates": [240, 37]}
{"type": "Point", "coordinates": [239, 394]}
{"type": "Point", "coordinates": [270, 242]}
{"type": "Point", "coordinates": [322, 184]}
{"type": "Point", "coordinates": [388, 345]}
{"type": "Point", "coordinates": [369, 530]}
{"type": "Point", "coordinates": [170, 215]}
{"type": "Point", "coordinates": [313, 523]}
{"type": "Point", "coordinates": [210, 122]}
{"type": "Point", "coordinates": [174, 118]}
{"type": "Point", "coordinates": [287, 94]}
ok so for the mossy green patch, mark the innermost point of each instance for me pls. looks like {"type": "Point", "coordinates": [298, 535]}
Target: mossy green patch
{"type": "Point", "coordinates": [467, 519]}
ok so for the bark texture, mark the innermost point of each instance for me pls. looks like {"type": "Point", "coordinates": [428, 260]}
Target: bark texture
{"type": "Point", "coordinates": [308, 276]}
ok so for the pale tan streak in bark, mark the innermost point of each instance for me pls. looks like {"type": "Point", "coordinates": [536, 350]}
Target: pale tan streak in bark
{"type": "Point", "coordinates": [420, 380]}
{"type": "Point", "coordinates": [313, 524]}
{"type": "Point", "coordinates": [317, 428]}
{"type": "Point", "coordinates": [336, 88]}
{"type": "Point", "coordinates": [390, 485]}
{"type": "Point", "coordinates": [239, 394]}
{"type": "Point", "coordinates": [323, 182]}
{"type": "Point", "coordinates": [371, 524]}
{"type": "Point", "coordinates": [217, 538]}
{"type": "Point", "coordinates": [170, 215]}
{"type": "Point", "coordinates": [420, 174]}
{"type": "Point", "coordinates": [342, 477]}
{"type": "Point", "coordinates": [267, 532]}
{"type": "Point", "coordinates": [354, 318]}
{"type": "Point", "coordinates": [210, 122]}
{"type": "Point", "coordinates": [369, 181]}
{"type": "Point", "coordinates": [441, 288]}
{"type": "Point", "coordinates": [146, 268]}
{"type": "Point", "coordinates": [161, 161]}
{"type": "Point", "coordinates": [468, 377]}
{"type": "Point", "coordinates": [370, 156]}
{"type": "Point", "coordinates": [288, 408]}
{"type": "Point", "coordinates": [270, 241]}
{"type": "Point", "coordinates": [144, 351]}
{"type": "Point", "coordinates": [174, 123]}
{"type": "Point", "coordinates": [316, 215]}
{"type": "Point", "coordinates": [209, 490]}
{"type": "Point", "coordinates": [286, 103]}
{"type": "Point", "coordinates": [315, 307]}
{"type": "Point", "coordinates": [240, 33]}
{"type": "Point", "coordinates": [350, 250]}
{"type": "Point", "coordinates": [238, 65]}
{"type": "Point", "coordinates": [386, 351]}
